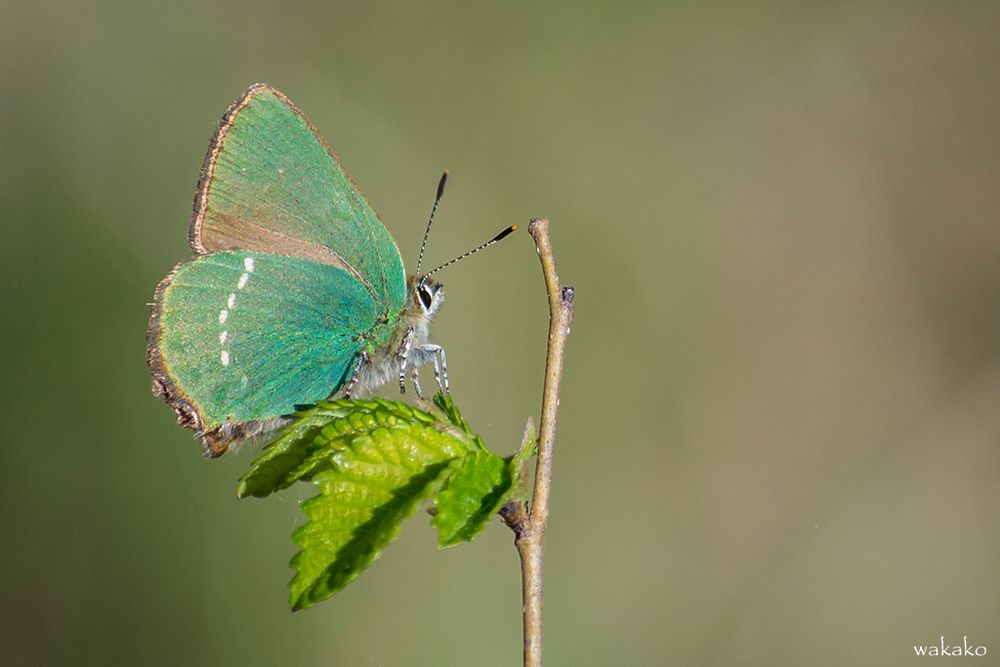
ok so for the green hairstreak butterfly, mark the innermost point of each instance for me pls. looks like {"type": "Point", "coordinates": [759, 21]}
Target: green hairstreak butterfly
{"type": "Point", "coordinates": [296, 291]}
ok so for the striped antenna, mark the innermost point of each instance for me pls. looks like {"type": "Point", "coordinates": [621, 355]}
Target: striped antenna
{"type": "Point", "coordinates": [496, 239]}
{"type": "Point", "coordinates": [434, 208]}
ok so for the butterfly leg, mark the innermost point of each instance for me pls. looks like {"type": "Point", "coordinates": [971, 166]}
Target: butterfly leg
{"type": "Point", "coordinates": [403, 354]}
{"type": "Point", "coordinates": [415, 374]}
{"type": "Point", "coordinates": [440, 365]}
{"type": "Point", "coordinates": [356, 374]}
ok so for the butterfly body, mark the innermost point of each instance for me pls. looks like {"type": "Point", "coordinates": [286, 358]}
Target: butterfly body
{"type": "Point", "coordinates": [296, 292]}
{"type": "Point", "coordinates": [394, 347]}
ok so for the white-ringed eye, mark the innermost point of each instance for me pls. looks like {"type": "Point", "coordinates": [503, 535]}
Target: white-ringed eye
{"type": "Point", "coordinates": [426, 298]}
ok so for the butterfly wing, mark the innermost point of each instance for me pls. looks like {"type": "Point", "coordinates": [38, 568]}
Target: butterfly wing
{"type": "Point", "coordinates": [239, 337]}
{"type": "Point", "coordinates": [293, 268]}
{"type": "Point", "coordinates": [270, 183]}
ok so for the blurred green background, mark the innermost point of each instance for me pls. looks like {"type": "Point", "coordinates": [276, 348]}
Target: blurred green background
{"type": "Point", "coordinates": [779, 432]}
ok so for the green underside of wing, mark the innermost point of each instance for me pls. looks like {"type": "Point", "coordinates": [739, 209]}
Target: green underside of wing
{"type": "Point", "coordinates": [273, 172]}
{"type": "Point", "coordinates": [247, 336]}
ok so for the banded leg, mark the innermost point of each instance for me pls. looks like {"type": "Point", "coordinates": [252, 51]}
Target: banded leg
{"type": "Point", "coordinates": [402, 354]}
{"type": "Point", "coordinates": [355, 374]}
{"type": "Point", "coordinates": [415, 374]}
{"type": "Point", "coordinates": [440, 365]}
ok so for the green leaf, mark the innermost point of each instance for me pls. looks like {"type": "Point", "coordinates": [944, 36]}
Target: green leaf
{"type": "Point", "coordinates": [374, 461]}
{"type": "Point", "coordinates": [476, 487]}
{"type": "Point", "coordinates": [374, 482]}
{"type": "Point", "coordinates": [517, 465]}
{"type": "Point", "coordinates": [304, 446]}
{"type": "Point", "coordinates": [450, 410]}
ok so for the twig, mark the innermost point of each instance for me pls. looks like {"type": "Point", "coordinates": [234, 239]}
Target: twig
{"type": "Point", "coordinates": [529, 527]}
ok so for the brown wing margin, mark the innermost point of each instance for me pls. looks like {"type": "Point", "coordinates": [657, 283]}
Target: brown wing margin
{"type": "Point", "coordinates": [208, 166]}
{"type": "Point", "coordinates": [188, 412]}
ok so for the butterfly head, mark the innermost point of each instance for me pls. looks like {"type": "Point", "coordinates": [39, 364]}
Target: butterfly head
{"type": "Point", "coordinates": [426, 296]}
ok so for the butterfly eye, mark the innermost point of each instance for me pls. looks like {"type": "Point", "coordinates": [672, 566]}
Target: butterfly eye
{"type": "Point", "coordinates": [426, 298]}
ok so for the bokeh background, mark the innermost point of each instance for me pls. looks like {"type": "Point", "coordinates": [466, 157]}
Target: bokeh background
{"type": "Point", "coordinates": [778, 441]}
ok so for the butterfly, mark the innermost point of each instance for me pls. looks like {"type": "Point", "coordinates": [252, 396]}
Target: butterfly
{"type": "Point", "coordinates": [297, 290]}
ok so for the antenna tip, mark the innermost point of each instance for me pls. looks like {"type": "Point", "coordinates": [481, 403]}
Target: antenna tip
{"type": "Point", "coordinates": [504, 233]}
{"type": "Point", "coordinates": [514, 228]}
{"type": "Point", "coordinates": [444, 177]}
